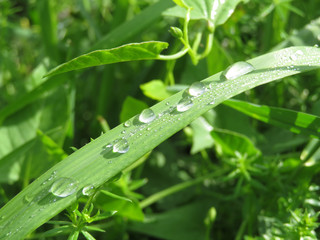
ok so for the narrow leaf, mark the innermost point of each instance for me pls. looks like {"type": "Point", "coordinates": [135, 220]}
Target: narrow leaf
{"type": "Point", "coordinates": [297, 122]}
{"type": "Point", "coordinates": [128, 52]}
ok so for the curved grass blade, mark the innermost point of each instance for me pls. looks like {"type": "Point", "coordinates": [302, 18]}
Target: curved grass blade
{"type": "Point", "coordinates": [297, 122]}
{"type": "Point", "coordinates": [93, 164]}
{"type": "Point", "coordinates": [128, 52]}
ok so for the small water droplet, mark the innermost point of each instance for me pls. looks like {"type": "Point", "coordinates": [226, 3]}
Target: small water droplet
{"type": "Point", "coordinates": [123, 132]}
{"type": "Point", "coordinates": [167, 103]}
{"type": "Point", "coordinates": [197, 89]}
{"type": "Point", "coordinates": [63, 187]}
{"type": "Point", "coordinates": [127, 123]}
{"type": "Point", "coordinates": [147, 116]}
{"type": "Point", "coordinates": [88, 190]}
{"type": "Point", "coordinates": [316, 45]}
{"type": "Point", "coordinates": [184, 104]}
{"type": "Point", "coordinates": [121, 146]}
{"type": "Point", "coordinates": [236, 70]}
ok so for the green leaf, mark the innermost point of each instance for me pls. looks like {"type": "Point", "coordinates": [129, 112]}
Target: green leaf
{"type": "Point", "coordinates": [94, 164]}
{"type": "Point", "coordinates": [181, 3]}
{"type": "Point", "coordinates": [131, 107]}
{"type": "Point", "coordinates": [214, 11]}
{"type": "Point", "coordinates": [201, 138]}
{"type": "Point", "coordinates": [128, 52]}
{"type": "Point", "coordinates": [297, 122]}
{"type": "Point", "coordinates": [228, 143]}
{"type": "Point", "coordinates": [183, 219]}
{"type": "Point", "coordinates": [155, 89]}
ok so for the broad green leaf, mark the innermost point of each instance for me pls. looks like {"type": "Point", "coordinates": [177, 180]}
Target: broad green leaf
{"type": "Point", "coordinates": [297, 122]}
{"type": "Point", "coordinates": [214, 11]}
{"type": "Point", "coordinates": [228, 143]}
{"type": "Point", "coordinates": [201, 138]}
{"type": "Point", "coordinates": [95, 164]}
{"type": "Point", "coordinates": [183, 219]}
{"type": "Point", "coordinates": [131, 107]}
{"type": "Point", "coordinates": [155, 89]}
{"type": "Point", "coordinates": [128, 52]}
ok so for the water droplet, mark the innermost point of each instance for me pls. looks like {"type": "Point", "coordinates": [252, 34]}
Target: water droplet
{"type": "Point", "coordinates": [63, 187]}
{"type": "Point", "coordinates": [236, 70]}
{"type": "Point", "coordinates": [316, 45]}
{"type": "Point", "coordinates": [121, 146]}
{"type": "Point", "coordinates": [127, 123]}
{"type": "Point", "coordinates": [147, 116]}
{"type": "Point", "coordinates": [167, 103]}
{"type": "Point", "coordinates": [184, 104]}
{"type": "Point", "coordinates": [88, 190]}
{"type": "Point", "coordinates": [123, 132]}
{"type": "Point", "coordinates": [196, 89]}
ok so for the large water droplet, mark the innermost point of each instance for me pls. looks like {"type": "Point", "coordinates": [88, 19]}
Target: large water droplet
{"type": "Point", "coordinates": [147, 116]}
{"type": "Point", "coordinates": [121, 146]}
{"type": "Point", "coordinates": [236, 70]}
{"type": "Point", "coordinates": [196, 89]}
{"type": "Point", "coordinates": [184, 104]}
{"type": "Point", "coordinates": [88, 190]}
{"type": "Point", "coordinates": [63, 187]}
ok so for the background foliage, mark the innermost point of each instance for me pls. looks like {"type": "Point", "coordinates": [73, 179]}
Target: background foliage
{"type": "Point", "coordinates": [225, 176]}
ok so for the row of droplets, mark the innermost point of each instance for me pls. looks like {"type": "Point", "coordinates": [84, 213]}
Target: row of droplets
{"type": "Point", "coordinates": [195, 90]}
{"type": "Point", "coordinates": [64, 186]}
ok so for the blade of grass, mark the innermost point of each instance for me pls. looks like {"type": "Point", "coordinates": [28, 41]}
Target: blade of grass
{"type": "Point", "coordinates": [93, 164]}
{"type": "Point", "coordinates": [297, 122]}
{"type": "Point", "coordinates": [130, 28]}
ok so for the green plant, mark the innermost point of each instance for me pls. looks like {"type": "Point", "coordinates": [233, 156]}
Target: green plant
{"type": "Point", "coordinates": [275, 185]}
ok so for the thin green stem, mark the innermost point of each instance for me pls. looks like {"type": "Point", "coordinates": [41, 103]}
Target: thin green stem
{"type": "Point", "coordinates": [173, 56]}
{"type": "Point", "coordinates": [209, 43]}
{"type": "Point", "coordinates": [171, 190]}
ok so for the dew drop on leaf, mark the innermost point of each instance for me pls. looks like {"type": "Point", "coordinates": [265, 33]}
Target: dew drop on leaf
{"type": "Point", "coordinates": [184, 104]}
{"type": "Point", "coordinates": [236, 70]}
{"type": "Point", "coordinates": [197, 89]}
{"type": "Point", "coordinates": [63, 187]}
{"type": "Point", "coordinates": [88, 190]}
{"type": "Point", "coordinates": [127, 123]}
{"type": "Point", "coordinates": [147, 116]}
{"type": "Point", "coordinates": [121, 146]}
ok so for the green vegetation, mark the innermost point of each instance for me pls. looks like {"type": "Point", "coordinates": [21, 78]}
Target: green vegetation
{"type": "Point", "coordinates": [116, 119]}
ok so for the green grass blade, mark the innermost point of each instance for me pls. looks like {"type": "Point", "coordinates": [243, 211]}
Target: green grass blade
{"type": "Point", "coordinates": [134, 26]}
{"type": "Point", "coordinates": [128, 52]}
{"type": "Point", "coordinates": [92, 164]}
{"type": "Point", "coordinates": [297, 122]}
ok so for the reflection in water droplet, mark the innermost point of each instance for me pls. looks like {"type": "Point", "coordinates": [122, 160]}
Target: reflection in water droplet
{"type": "Point", "coordinates": [196, 89]}
{"type": "Point", "coordinates": [88, 190]}
{"type": "Point", "coordinates": [127, 123]}
{"type": "Point", "coordinates": [184, 104]}
{"type": "Point", "coordinates": [63, 187]}
{"type": "Point", "coordinates": [147, 116]}
{"type": "Point", "coordinates": [27, 198]}
{"type": "Point", "coordinates": [121, 146]}
{"type": "Point", "coordinates": [236, 70]}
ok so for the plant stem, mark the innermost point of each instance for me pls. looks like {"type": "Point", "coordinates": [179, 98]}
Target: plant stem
{"type": "Point", "coordinates": [173, 56]}
{"type": "Point", "coordinates": [208, 48]}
